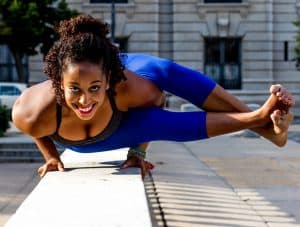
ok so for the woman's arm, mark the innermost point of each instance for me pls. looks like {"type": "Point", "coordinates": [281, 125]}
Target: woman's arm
{"type": "Point", "coordinates": [49, 151]}
{"type": "Point", "coordinates": [34, 114]}
{"type": "Point", "coordinates": [137, 92]}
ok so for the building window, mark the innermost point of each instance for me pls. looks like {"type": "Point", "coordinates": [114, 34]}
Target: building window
{"type": "Point", "coordinates": [108, 1]}
{"type": "Point", "coordinates": [222, 1]}
{"type": "Point", "coordinates": [223, 61]}
{"type": "Point", "coordinates": [8, 70]}
{"type": "Point", "coordinates": [286, 50]}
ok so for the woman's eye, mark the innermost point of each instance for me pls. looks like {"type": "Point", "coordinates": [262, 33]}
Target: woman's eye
{"type": "Point", "coordinates": [94, 88]}
{"type": "Point", "coordinates": [74, 89]}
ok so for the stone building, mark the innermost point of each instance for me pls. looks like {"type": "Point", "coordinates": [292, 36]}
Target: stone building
{"type": "Point", "coordinates": [245, 45]}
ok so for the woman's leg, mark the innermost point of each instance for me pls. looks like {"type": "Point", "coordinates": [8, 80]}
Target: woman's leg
{"type": "Point", "coordinates": [221, 100]}
{"type": "Point", "coordinates": [219, 123]}
{"type": "Point", "coordinates": [203, 92]}
{"type": "Point", "coordinates": [155, 124]}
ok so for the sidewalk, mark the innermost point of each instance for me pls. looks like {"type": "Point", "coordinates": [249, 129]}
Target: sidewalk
{"type": "Point", "coordinates": [17, 180]}
{"type": "Point", "coordinates": [224, 181]}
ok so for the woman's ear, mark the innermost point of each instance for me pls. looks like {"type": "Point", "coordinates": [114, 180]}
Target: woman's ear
{"type": "Point", "coordinates": [62, 85]}
{"type": "Point", "coordinates": [107, 80]}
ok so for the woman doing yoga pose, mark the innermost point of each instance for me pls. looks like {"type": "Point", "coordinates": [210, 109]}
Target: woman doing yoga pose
{"type": "Point", "coordinates": [97, 99]}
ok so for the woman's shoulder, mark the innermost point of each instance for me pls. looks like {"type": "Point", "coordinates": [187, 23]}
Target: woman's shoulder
{"type": "Point", "coordinates": [35, 110]}
{"type": "Point", "coordinates": [136, 91]}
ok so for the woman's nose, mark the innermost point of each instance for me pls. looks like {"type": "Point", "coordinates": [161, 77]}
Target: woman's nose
{"type": "Point", "coordinates": [83, 99]}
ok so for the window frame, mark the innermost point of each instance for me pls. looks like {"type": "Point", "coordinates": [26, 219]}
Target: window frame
{"type": "Point", "coordinates": [222, 65]}
{"type": "Point", "coordinates": [242, 7]}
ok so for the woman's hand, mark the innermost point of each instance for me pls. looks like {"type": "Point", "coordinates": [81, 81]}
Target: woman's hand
{"type": "Point", "coordinates": [52, 164]}
{"type": "Point", "coordinates": [135, 161]}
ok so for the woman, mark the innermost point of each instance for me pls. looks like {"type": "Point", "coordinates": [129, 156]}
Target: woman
{"type": "Point", "coordinates": [97, 100]}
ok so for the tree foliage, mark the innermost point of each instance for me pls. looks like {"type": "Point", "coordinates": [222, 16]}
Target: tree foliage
{"type": "Point", "coordinates": [297, 48]}
{"type": "Point", "coordinates": [27, 25]}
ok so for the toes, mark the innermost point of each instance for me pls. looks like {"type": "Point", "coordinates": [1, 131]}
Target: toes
{"type": "Point", "coordinates": [276, 115]}
{"type": "Point", "coordinates": [281, 121]}
{"type": "Point", "coordinates": [292, 101]}
{"type": "Point", "coordinates": [282, 92]}
{"type": "Point", "coordinates": [283, 95]}
{"type": "Point", "coordinates": [275, 88]}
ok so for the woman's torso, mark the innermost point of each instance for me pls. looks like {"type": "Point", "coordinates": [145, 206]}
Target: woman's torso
{"type": "Point", "coordinates": [65, 127]}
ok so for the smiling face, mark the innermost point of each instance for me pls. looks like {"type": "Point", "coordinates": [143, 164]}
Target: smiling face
{"type": "Point", "coordinates": [84, 86]}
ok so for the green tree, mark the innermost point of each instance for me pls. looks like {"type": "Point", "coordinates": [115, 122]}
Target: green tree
{"type": "Point", "coordinates": [27, 26]}
{"type": "Point", "coordinates": [297, 48]}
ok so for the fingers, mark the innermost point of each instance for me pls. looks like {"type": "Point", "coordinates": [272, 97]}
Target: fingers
{"type": "Point", "coordinates": [138, 162]}
{"type": "Point", "coordinates": [130, 162]}
{"type": "Point", "coordinates": [124, 165]}
{"type": "Point", "coordinates": [43, 170]}
{"type": "Point", "coordinates": [60, 167]}
{"type": "Point", "coordinates": [144, 169]}
{"type": "Point", "coordinates": [52, 165]}
{"type": "Point", "coordinates": [150, 166]}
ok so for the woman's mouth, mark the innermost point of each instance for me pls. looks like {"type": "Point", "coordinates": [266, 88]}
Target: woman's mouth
{"type": "Point", "coordinates": [85, 110]}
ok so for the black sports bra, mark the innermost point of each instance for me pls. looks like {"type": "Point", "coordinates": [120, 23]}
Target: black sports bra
{"type": "Point", "coordinates": [113, 124]}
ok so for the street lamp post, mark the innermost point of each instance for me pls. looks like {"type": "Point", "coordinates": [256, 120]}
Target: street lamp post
{"type": "Point", "coordinates": [113, 18]}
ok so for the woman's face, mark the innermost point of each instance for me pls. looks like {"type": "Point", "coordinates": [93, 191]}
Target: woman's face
{"type": "Point", "coordinates": [84, 85]}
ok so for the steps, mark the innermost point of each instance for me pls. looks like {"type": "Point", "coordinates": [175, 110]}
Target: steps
{"type": "Point", "coordinates": [20, 152]}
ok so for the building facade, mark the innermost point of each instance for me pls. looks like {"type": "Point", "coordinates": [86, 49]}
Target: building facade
{"type": "Point", "coordinates": [245, 45]}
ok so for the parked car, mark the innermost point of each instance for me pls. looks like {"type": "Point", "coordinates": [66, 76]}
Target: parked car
{"type": "Point", "coordinates": [9, 92]}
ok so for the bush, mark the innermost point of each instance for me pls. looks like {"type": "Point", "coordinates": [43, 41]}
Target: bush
{"type": "Point", "coordinates": [297, 47]}
{"type": "Point", "coordinates": [4, 119]}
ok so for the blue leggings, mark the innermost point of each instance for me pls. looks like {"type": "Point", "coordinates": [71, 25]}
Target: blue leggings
{"type": "Point", "coordinates": [150, 124]}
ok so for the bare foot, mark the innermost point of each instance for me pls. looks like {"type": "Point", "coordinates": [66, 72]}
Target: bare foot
{"type": "Point", "coordinates": [276, 112]}
{"type": "Point", "coordinates": [281, 121]}
{"type": "Point", "coordinates": [286, 99]}
{"type": "Point", "coordinates": [281, 116]}
{"type": "Point", "coordinates": [265, 111]}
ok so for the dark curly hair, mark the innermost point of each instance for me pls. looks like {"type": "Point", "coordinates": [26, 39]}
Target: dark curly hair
{"type": "Point", "coordinates": [83, 38]}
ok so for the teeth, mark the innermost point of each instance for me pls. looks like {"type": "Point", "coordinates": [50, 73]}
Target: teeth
{"type": "Point", "coordinates": [87, 109]}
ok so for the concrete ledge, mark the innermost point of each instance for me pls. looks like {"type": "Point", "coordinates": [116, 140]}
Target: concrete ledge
{"type": "Point", "coordinates": [93, 191]}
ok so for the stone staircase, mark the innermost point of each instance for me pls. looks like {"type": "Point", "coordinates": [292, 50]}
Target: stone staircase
{"type": "Point", "coordinates": [20, 152]}
{"type": "Point", "coordinates": [18, 147]}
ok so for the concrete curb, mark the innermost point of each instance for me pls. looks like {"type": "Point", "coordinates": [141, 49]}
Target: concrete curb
{"type": "Point", "coordinates": [95, 193]}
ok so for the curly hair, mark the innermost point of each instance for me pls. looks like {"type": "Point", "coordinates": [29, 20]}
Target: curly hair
{"type": "Point", "coordinates": [83, 38]}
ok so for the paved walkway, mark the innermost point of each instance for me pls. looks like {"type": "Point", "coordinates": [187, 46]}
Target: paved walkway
{"type": "Point", "coordinates": [224, 181]}
{"type": "Point", "coordinates": [16, 181]}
